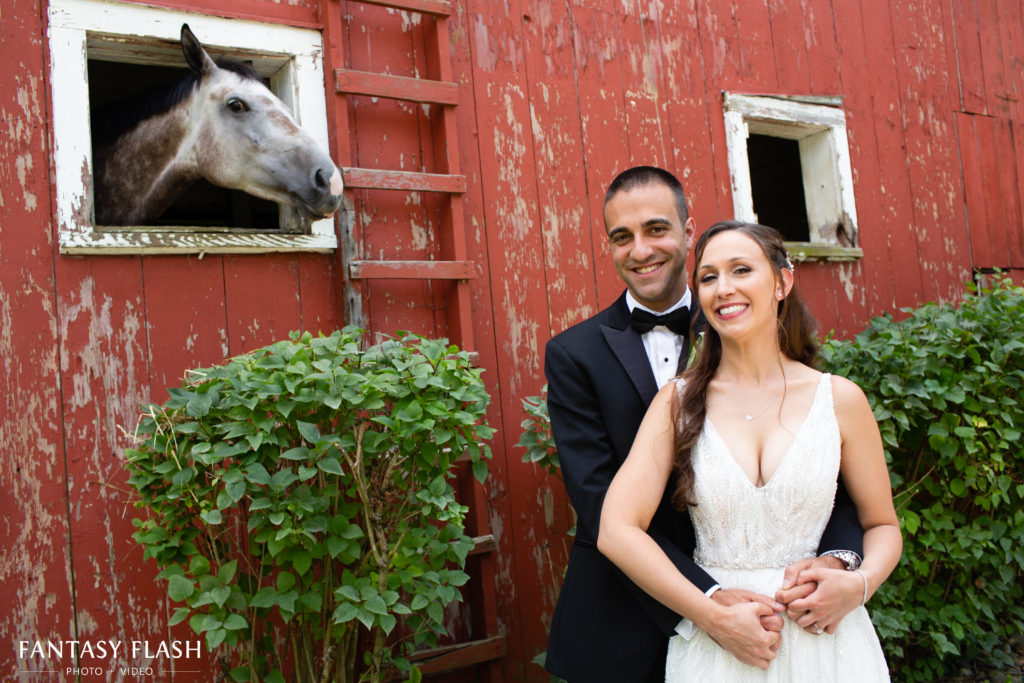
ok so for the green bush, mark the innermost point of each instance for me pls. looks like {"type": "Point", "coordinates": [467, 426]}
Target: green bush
{"type": "Point", "coordinates": [301, 490]}
{"type": "Point", "coordinates": [945, 386]}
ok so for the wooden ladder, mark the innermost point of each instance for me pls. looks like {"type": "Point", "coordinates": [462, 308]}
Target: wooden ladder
{"type": "Point", "coordinates": [486, 646]}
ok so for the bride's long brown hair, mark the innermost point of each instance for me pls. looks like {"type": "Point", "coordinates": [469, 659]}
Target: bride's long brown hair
{"type": "Point", "coordinates": [796, 341]}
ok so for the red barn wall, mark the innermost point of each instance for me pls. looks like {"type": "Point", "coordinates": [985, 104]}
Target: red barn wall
{"type": "Point", "coordinates": [554, 100]}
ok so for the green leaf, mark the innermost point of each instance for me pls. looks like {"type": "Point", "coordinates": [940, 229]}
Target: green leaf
{"type": "Point", "coordinates": [480, 470]}
{"type": "Point", "coordinates": [179, 588]}
{"type": "Point", "coordinates": [212, 517]}
{"type": "Point", "coordinates": [180, 614]}
{"type": "Point", "coordinates": [235, 622]}
{"type": "Point", "coordinates": [330, 465]}
{"type": "Point", "coordinates": [240, 674]}
{"type": "Point", "coordinates": [376, 605]}
{"type": "Point", "coordinates": [265, 597]}
{"type": "Point", "coordinates": [258, 474]}
{"type": "Point", "coordinates": [308, 431]}
{"type": "Point", "coordinates": [298, 453]}
{"type": "Point", "coordinates": [215, 637]}
{"type": "Point", "coordinates": [227, 571]}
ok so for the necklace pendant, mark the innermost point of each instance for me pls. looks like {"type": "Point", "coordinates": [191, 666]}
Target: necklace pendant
{"type": "Point", "coordinates": [749, 417]}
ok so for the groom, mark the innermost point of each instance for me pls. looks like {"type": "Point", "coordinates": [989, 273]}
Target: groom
{"type": "Point", "coordinates": [602, 375]}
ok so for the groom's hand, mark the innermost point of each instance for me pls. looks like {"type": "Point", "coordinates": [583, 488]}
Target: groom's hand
{"type": "Point", "coordinates": [818, 593]}
{"type": "Point", "coordinates": [839, 592]}
{"type": "Point", "coordinates": [737, 628]}
{"type": "Point", "coordinates": [726, 597]}
{"type": "Point", "coordinates": [795, 586]}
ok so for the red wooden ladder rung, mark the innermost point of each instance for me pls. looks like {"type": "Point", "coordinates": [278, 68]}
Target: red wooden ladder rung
{"type": "Point", "coordinates": [378, 179]}
{"type": "Point", "coordinates": [353, 82]}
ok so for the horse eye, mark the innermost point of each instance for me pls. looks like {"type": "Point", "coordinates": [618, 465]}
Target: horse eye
{"type": "Point", "coordinates": [237, 106]}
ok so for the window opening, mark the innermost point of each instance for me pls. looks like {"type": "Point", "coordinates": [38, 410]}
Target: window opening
{"type": "Point", "coordinates": [789, 166]}
{"type": "Point", "coordinates": [777, 185]}
{"type": "Point", "coordinates": [101, 51]}
{"type": "Point", "coordinates": [204, 205]}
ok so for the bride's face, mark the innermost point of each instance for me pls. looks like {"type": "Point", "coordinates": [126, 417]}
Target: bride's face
{"type": "Point", "coordinates": [738, 287]}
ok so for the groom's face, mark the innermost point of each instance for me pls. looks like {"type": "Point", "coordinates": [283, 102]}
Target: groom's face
{"type": "Point", "coordinates": [649, 243]}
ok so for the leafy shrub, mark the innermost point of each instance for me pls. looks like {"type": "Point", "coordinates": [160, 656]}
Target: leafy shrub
{"type": "Point", "coordinates": [536, 436]}
{"type": "Point", "coordinates": [945, 386]}
{"type": "Point", "coordinates": [307, 484]}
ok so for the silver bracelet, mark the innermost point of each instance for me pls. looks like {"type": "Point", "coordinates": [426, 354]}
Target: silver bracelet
{"type": "Point", "coordinates": [864, 600]}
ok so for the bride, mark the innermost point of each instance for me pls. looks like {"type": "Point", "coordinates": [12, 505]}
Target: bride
{"type": "Point", "coordinates": [756, 437]}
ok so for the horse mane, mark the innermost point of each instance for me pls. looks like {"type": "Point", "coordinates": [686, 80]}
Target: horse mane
{"type": "Point", "coordinates": [114, 119]}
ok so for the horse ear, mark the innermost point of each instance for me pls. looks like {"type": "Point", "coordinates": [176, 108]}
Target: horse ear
{"type": "Point", "coordinates": [195, 55]}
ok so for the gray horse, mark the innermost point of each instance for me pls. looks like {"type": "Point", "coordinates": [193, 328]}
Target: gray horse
{"type": "Point", "coordinates": [220, 123]}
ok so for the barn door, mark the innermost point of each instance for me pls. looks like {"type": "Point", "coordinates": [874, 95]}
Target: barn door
{"type": "Point", "coordinates": [407, 241]}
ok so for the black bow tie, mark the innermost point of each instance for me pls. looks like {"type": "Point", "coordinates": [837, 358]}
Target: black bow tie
{"type": "Point", "coordinates": [643, 322]}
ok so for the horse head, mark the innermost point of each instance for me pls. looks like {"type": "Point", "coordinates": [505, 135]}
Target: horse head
{"type": "Point", "coordinates": [228, 128]}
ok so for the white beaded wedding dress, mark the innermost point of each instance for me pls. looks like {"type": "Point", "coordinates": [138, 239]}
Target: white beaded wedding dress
{"type": "Point", "coordinates": [747, 535]}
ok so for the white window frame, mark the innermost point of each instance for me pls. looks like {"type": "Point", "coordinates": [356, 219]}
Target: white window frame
{"type": "Point", "coordinates": [819, 126]}
{"type": "Point", "coordinates": [137, 33]}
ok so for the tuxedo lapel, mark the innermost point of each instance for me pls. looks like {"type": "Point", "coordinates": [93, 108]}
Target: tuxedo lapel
{"type": "Point", "coordinates": [628, 347]}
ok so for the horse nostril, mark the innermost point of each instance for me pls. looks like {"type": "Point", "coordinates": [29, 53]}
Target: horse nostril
{"type": "Point", "coordinates": [322, 179]}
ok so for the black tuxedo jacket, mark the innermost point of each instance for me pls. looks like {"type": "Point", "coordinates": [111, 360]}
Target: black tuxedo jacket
{"type": "Point", "coordinates": [605, 628]}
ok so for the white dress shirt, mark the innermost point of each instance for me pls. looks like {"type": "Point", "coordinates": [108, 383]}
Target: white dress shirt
{"type": "Point", "coordinates": [663, 346]}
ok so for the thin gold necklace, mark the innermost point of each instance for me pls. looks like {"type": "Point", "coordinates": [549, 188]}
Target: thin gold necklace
{"type": "Point", "coordinates": [761, 412]}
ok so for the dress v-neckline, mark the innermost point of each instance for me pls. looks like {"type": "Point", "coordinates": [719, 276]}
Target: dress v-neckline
{"type": "Point", "coordinates": [785, 455]}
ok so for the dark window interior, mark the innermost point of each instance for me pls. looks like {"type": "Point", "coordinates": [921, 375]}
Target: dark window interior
{"type": "Point", "coordinates": [777, 185]}
{"type": "Point", "coordinates": [203, 204]}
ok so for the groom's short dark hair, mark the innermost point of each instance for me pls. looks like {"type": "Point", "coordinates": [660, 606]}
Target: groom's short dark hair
{"type": "Point", "coordinates": [638, 176]}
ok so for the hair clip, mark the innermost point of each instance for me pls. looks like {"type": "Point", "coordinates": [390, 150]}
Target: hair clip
{"type": "Point", "coordinates": [789, 264]}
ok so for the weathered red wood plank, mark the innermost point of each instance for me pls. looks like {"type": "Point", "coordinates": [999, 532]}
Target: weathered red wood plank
{"type": "Point", "coordinates": [378, 179]}
{"type": "Point", "coordinates": [504, 95]}
{"type": "Point", "coordinates": [320, 303]}
{"type": "Point", "coordinates": [928, 94]}
{"type": "Point", "coordinates": [756, 52]}
{"type": "Point", "coordinates": [295, 12]}
{"type": "Point", "coordinates": [896, 236]}
{"type": "Point", "coordinates": [643, 86]}
{"type": "Point", "coordinates": [1008, 226]}
{"type": "Point", "coordinates": [105, 372]}
{"type": "Point", "coordinates": [605, 140]}
{"type": "Point", "coordinates": [869, 288]}
{"type": "Point", "coordinates": [261, 300]}
{"type": "Point", "coordinates": [689, 104]}
{"type": "Point", "coordinates": [722, 73]}
{"type": "Point", "coordinates": [396, 87]}
{"type": "Point", "coordinates": [1011, 37]}
{"type": "Point", "coordinates": [788, 28]}
{"type": "Point", "coordinates": [490, 499]}
{"type": "Point", "coordinates": [819, 29]}
{"type": "Point", "coordinates": [35, 568]}
{"type": "Point", "coordinates": [437, 7]}
{"type": "Point", "coordinates": [412, 270]}
{"type": "Point", "coordinates": [969, 57]}
{"type": "Point", "coordinates": [550, 67]}
{"type": "Point", "coordinates": [992, 64]}
{"type": "Point", "coordinates": [1016, 232]}
{"type": "Point", "coordinates": [180, 336]}
{"type": "Point", "coordinates": [974, 189]}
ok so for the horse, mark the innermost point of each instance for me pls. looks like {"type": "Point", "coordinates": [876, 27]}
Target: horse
{"type": "Point", "coordinates": [221, 123]}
